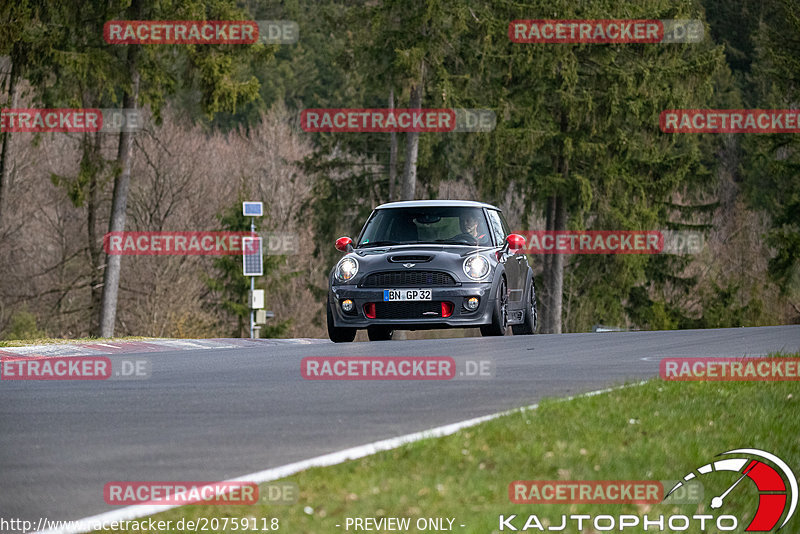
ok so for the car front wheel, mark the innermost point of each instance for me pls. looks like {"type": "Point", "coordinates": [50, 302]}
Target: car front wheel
{"type": "Point", "coordinates": [499, 315]}
{"type": "Point", "coordinates": [338, 335]}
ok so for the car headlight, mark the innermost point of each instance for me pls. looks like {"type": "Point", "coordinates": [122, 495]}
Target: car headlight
{"type": "Point", "coordinates": [346, 269]}
{"type": "Point", "coordinates": [476, 267]}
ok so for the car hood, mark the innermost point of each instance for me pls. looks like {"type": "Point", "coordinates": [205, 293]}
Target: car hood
{"type": "Point", "coordinates": [448, 258]}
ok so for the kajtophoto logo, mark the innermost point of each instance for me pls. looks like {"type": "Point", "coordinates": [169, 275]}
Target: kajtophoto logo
{"type": "Point", "coordinates": [777, 499]}
{"type": "Point", "coordinates": [770, 482]}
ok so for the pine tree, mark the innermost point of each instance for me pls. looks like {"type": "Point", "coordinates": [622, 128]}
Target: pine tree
{"type": "Point", "coordinates": [772, 168]}
{"type": "Point", "coordinates": [578, 133]}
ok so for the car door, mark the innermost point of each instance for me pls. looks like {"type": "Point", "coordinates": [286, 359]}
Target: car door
{"type": "Point", "coordinates": [516, 289]}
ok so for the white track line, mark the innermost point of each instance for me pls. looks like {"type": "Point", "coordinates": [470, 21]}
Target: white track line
{"type": "Point", "coordinates": [141, 510]}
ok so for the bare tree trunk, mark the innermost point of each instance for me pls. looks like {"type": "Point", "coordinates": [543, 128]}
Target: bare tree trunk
{"type": "Point", "coordinates": [412, 148]}
{"type": "Point", "coordinates": [557, 218]}
{"type": "Point", "coordinates": [12, 97]}
{"type": "Point", "coordinates": [119, 206]}
{"type": "Point", "coordinates": [392, 153]}
{"type": "Point", "coordinates": [556, 289]}
{"type": "Point", "coordinates": [547, 273]}
{"type": "Point", "coordinates": [95, 258]}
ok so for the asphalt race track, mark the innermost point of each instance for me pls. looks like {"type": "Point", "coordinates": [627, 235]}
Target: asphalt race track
{"type": "Point", "coordinates": [218, 414]}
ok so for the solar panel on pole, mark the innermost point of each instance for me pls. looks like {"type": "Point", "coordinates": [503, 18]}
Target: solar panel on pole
{"type": "Point", "coordinates": [253, 209]}
{"type": "Point", "coordinates": [252, 260]}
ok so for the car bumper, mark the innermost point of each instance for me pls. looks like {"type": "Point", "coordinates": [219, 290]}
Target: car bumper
{"type": "Point", "coordinates": [460, 318]}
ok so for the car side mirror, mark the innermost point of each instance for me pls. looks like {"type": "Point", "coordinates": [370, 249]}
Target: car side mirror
{"type": "Point", "coordinates": [515, 242]}
{"type": "Point", "coordinates": [344, 244]}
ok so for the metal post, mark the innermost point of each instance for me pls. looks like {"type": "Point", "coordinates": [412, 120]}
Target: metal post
{"type": "Point", "coordinates": [252, 288]}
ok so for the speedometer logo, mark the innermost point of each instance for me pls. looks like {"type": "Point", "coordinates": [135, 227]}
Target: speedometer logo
{"type": "Point", "coordinates": [775, 488]}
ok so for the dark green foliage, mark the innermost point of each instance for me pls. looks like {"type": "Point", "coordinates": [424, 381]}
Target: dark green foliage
{"type": "Point", "coordinates": [772, 169]}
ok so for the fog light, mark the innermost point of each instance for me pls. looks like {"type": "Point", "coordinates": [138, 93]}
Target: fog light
{"type": "Point", "coordinates": [472, 303]}
{"type": "Point", "coordinates": [347, 305]}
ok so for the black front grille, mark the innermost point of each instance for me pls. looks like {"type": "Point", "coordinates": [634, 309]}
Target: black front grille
{"type": "Point", "coordinates": [394, 279]}
{"type": "Point", "coordinates": [408, 310]}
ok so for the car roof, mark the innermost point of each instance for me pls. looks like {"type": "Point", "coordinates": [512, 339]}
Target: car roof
{"type": "Point", "coordinates": [437, 204]}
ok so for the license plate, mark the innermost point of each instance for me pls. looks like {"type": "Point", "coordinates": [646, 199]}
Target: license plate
{"type": "Point", "coordinates": [406, 294]}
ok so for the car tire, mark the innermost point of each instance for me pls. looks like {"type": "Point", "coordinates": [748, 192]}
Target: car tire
{"type": "Point", "coordinates": [379, 333]}
{"type": "Point", "coordinates": [499, 315]}
{"type": "Point", "coordinates": [531, 320]}
{"type": "Point", "coordinates": [338, 335]}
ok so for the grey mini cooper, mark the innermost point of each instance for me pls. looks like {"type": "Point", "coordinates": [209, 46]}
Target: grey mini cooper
{"type": "Point", "coordinates": [431, 264]}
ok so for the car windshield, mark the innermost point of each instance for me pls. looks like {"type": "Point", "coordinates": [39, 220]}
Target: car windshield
{"type": "Point", "coordinates": [440, 225]}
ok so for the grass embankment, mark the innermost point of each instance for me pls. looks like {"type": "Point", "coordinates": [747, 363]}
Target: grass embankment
{"type": "Point", "coordinates": [657, 431]}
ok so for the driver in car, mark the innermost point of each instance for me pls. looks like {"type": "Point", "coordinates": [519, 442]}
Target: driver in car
{"type": "Point", "coordinates": [473, 229]}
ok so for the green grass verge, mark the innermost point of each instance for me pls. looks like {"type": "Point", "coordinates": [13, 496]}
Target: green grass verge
{"type": "Point", "coordinates": [657, 431]}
